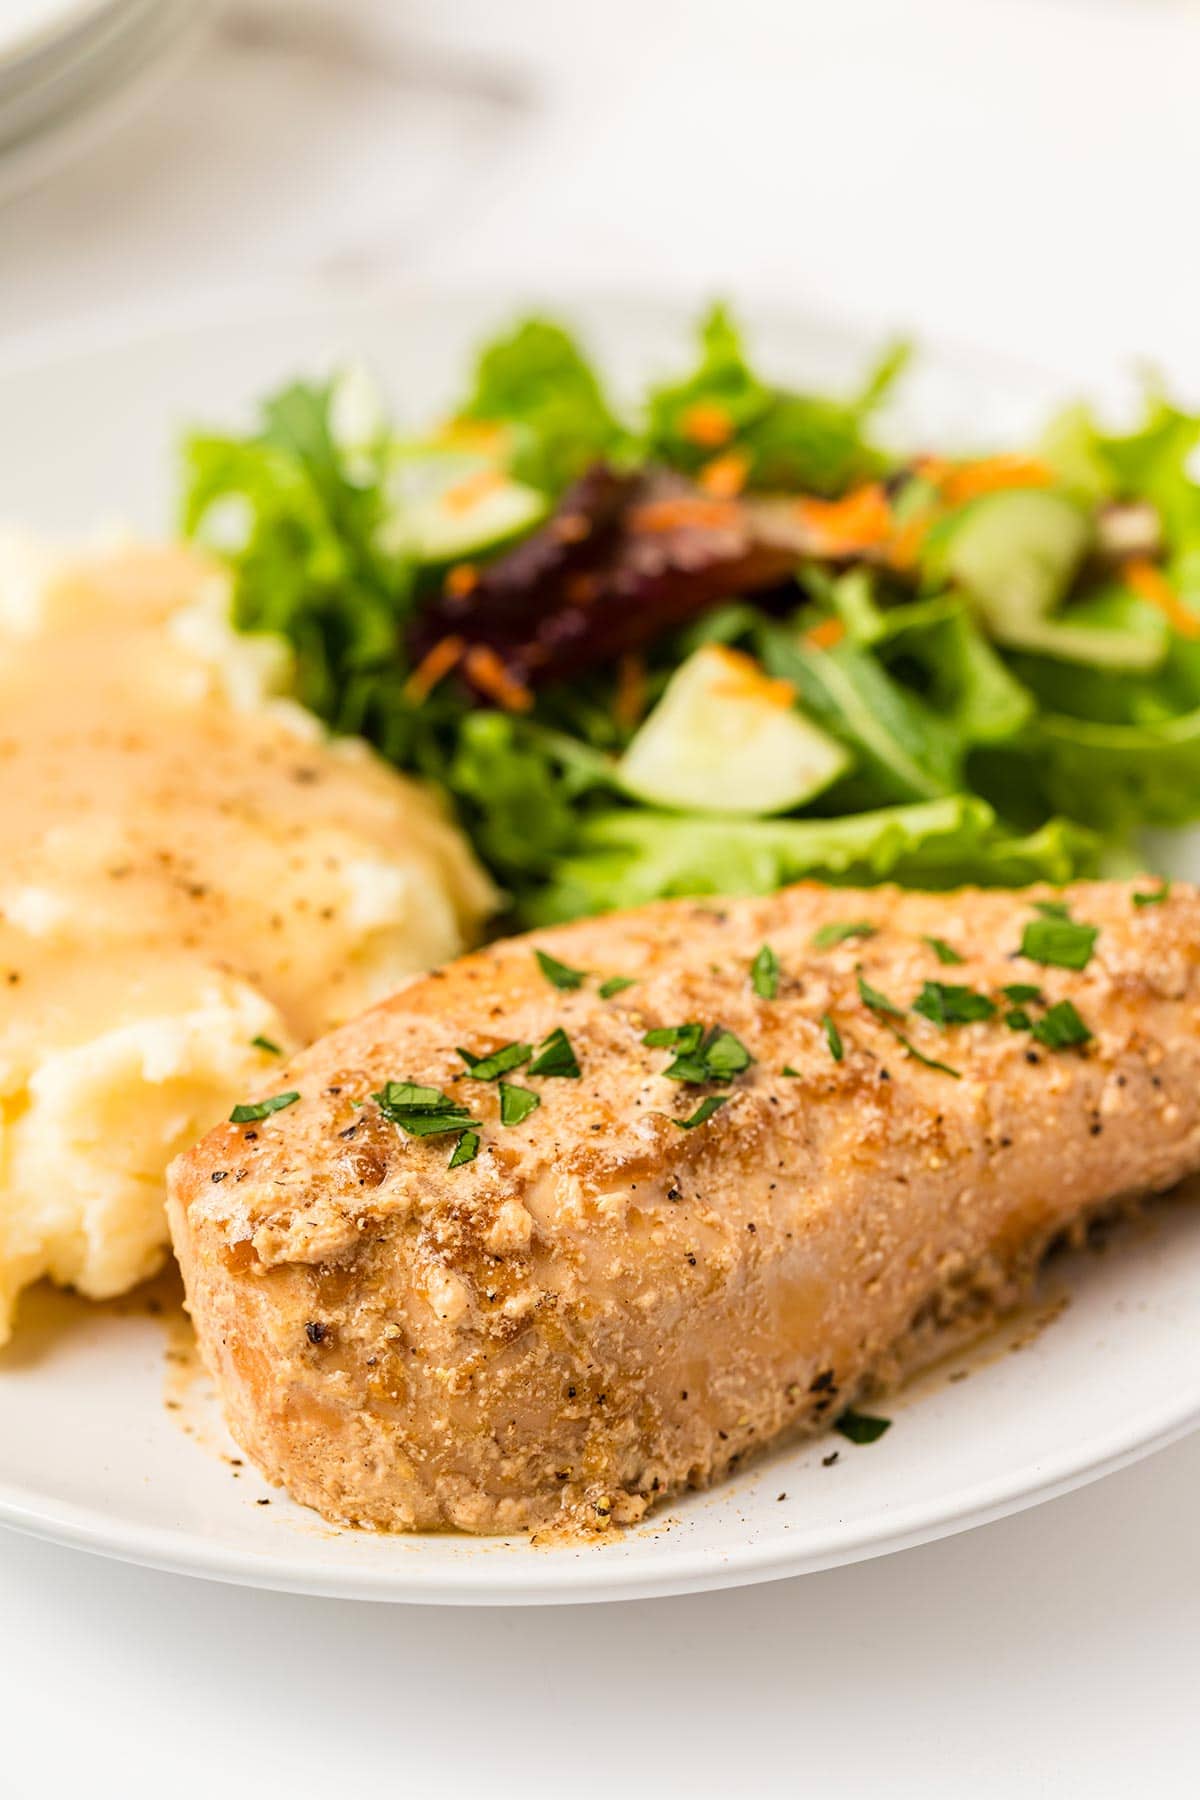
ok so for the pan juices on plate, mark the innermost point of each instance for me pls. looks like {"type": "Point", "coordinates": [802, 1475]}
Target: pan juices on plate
{"type": "Point", "coordinates": [590, 1216]}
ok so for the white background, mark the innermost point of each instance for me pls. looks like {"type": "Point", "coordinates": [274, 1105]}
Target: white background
{"type": "Point", "coordinates": [1021, 174]}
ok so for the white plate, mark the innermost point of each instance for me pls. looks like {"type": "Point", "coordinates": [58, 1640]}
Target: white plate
{"type": "Point", "coordinates": [89, 1452]}
{"type": "Point", "coordinates": [58, 103]}
{"type": "Point", "coordinates": [30, 28]}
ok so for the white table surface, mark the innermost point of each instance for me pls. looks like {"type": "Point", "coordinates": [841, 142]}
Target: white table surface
{"type": "Point", "coordinates": [1021, 173]}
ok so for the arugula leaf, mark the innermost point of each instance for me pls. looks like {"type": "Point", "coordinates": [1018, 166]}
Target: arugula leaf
{"type": "Point", "coordinates": [945, 953]}
{"type": "Point", "coordinates": [1019, 991]}
{"type": "Point", "coordinates": [1144, 897]}
{"type": "Point", "coordinates": [615, 984]}
{"type": "Point", "coordinates": [905, 750]}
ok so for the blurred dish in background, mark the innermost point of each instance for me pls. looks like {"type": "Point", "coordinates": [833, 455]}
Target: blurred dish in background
{"type": "Point", "coordinates": [70, 69]}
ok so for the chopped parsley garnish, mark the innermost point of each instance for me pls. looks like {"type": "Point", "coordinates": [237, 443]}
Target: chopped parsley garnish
{"type": "Point", "coordinates": [1017, 1019]}
{"type": "Point", "coordinates": [422, 1111]}
{"type": "Point", "coordinates": [861, 1428]}
{"type": "Point", "coordinates": [788, 1070]}
{"type": "Point", "coordinates": [838, 931]}
{"type": "Point", "coordinates": [1061, 1027]}
{"type": "Point", "coordinates": [265, 1043]}
{"type": "Point", "coordinates": [725, 1056]}
{"type": "Point", "coordinates": [499, 1062]}
{"type": "Point", "coordinates": [703, 1112]}
{"type": "Point", "coordinates": [1153, 896]}
{"type": "Point", "coordinates": [930, 1062]}
{"type": "Point", "coordinates": [516, 1103]}
{"type": "Point", "coordinates": [878, 1003]}
{"type": "Point", "coordinates": [833, 1037]}
{"type": "Point", "coordinates": [764, 973]}
{"type": "Point", "coordinates": [1052, 909]}
{"type": "Point", "coordinates": [559, 974]}
{"type": "Point", "coordinates": [246, 1113]}
{"type": "Point", "coordinates": [1059, 942]}
{"type": "Point", "coordinates": [616, 984]}
{"type": "Point", "coordinates": [674, 1037]}
{"type": "Point", "coordinates": [945, 1004]}
{"type": "Point", "coordinates": [717, 1056]}
{"type": "Point", "coordinates": [945, 953]}
{"type": "Point", "coordinates": [465, 1151]}
{"type": "Point", "coordinates": [556, 1057]}
{"type": "Point", "coordinates": [1021, 991]}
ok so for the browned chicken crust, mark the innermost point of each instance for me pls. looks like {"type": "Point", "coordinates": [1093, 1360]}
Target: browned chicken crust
{"type": "Point", "coordinates": [602, 1307]}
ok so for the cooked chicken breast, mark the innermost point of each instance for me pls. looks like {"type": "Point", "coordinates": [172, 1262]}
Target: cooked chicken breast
{"type": "Point", "coordinates": [603, 1306]}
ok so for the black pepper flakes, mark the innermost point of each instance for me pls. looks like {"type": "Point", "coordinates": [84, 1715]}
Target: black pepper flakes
{"type": "Point", "coordinates": [316, 1332]}
{"type": "Point", "coordinates": [219, 1175]}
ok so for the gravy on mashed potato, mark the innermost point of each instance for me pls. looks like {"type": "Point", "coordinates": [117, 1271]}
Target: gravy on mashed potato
{"type": "Point", "coordinates": [191, 874]}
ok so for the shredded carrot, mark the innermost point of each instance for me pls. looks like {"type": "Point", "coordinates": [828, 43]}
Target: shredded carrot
{"type": "Point", "coordinates": [707, 424]}
{"type": "Point", "coordinates": [433, 667]}
{"type": "Point", "coordinates": [491, 677]}
{"type": "Point", "coordinates": [1151, 585]}
{"type": "Point", "coordinates": [967, 481]}
{"type": "Point", "coordinates": [466, 494]}
{"type": "Point", "coordinates": [460, 581]}
{"type": "Point", "coordinates": [725, 476]}
{"type": "Point", "coordinates": [825, 635]}
{"type": "Point", "coordinates": [744, 679]}
{"type": "Point", "coordinates": [907, 540]}
{"type": "Point", "coordinates": [687, 509]}
{"type": "Point", "coordinates": [861, 520]}
{"type": "Point", "coordinates": [630, 703]}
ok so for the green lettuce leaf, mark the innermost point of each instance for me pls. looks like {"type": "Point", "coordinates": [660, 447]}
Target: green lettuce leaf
{"type": "Point", "coordinates": [630, 857]}
{"type": "Point", "coordinates": [300, 530]}
{"type": "Point", "coordinates": [792, 440]}
{"type": "Point", "coordinates": [537, 380]}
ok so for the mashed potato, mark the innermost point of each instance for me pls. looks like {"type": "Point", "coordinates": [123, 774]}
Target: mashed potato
{"type": "Point", "coordinates": [193, 881]}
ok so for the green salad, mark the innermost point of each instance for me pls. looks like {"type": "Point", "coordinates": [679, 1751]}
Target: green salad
{"type": "Point", "coordinates": [727, 641]}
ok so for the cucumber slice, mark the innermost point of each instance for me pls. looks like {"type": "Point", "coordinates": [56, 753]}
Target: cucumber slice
{"type": "Point", "coordinates": [1016, 553]}
{"type": "Point", "coordinates": [450, 504]}
{"type": "Point", "coordinates": [725, 738]}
